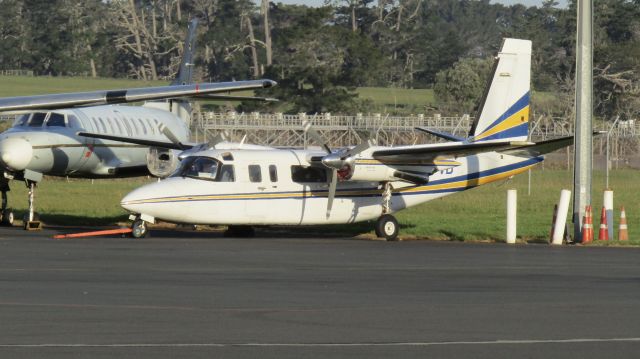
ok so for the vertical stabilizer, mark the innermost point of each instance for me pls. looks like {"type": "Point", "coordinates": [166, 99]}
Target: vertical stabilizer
{"type": "Point", "coordinates": [185, 73]}
{"type": "Point", "coordinates": [504, 115]}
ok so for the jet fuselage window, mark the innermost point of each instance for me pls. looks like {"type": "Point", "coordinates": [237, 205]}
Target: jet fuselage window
{"type": "Point", "coordinates": [37, 119]}
{"type": "Point", "coordinates": [56, 119]}
{"type": "Point", "coordinates": [273, 173]}
{"type": "Point", "coordinates": [144, 128]}
{"type": "Point", "coordinates": [255, 173]}
{"type": "Point", "coordinates": [308, 174]}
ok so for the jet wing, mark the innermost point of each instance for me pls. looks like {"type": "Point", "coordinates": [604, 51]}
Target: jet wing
{"type": "Point", "coordinates": [430, 153]}
{"type": "Point", "coordinates": [96, 98]}
{"type": "Point", "coordinates": [138, 141]}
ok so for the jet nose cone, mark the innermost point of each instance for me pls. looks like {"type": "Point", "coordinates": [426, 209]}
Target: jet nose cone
{"type": "Point", "coordinates": [15, 153]}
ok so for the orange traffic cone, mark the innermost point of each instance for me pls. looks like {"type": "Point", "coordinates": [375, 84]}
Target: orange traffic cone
{"type": "Point", "coordinates": [553, 222]}
{"type": "Point", "coordinates": [603, 234]}
{"type": "Point", "coordinates": [623, 235]}
{"type": "Point", "coordinates": [587, 226]}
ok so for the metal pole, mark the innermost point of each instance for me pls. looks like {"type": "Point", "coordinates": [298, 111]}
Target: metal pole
{"type": "Point", "coordinates": [584, 112]}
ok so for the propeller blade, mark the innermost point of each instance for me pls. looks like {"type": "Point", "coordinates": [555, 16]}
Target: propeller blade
{"type": "Point", "coordinates": [306, 125]}
{"type": "Point", "coordinates": [220, 137]}
{"type": "Point", "coordinates": [168, 134]}
{"type": "Point", "coordinates": [362, 146]}
{"type": "Point", "coordinates": [332, 191]}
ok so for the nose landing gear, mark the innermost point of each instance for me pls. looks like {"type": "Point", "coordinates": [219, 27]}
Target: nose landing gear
{"type": "Point", "coordinates": [139, 228]}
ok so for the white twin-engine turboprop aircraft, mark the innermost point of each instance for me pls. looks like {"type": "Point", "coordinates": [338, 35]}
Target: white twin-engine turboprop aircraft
{"type": "Point", "coordinates": [244, 185]}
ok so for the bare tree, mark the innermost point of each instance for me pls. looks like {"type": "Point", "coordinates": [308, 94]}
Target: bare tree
{"type": "Point", "coordinates": [267, 31]}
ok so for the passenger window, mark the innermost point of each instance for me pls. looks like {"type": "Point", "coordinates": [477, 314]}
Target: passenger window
{"type": "Point", "coordinates": [144, 128]}
{"type": "Point", "coordinates": [37, 119]}
{"type": "Point", "coordinates": [103, 126]}
{"type": "Point", "coordinates": [115, 120]}
{"type": "Point", "coordinates": [255, 174]}
{"type": "Point", "coordinates": [273, 173]}
{"type": "Point", "coordinates": [308, 174]}
{"type": "Point", "coordinates": [56, 119]}
{"type": "Point", "coordinates": [226, 174]}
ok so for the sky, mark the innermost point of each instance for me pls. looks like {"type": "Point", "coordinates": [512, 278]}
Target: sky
{"type": "Point", "coordinates": [562, 3]}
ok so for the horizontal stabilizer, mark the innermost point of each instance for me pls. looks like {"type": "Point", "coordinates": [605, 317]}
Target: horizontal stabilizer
{"type": "Point", "coordinates": [446, 136]}
{"type": "Point", "coordinates": [543, 147]}
{"type": "Point", "coordinates": [137, 141]}
{"type": "Point", "coordinates": [427, 153]}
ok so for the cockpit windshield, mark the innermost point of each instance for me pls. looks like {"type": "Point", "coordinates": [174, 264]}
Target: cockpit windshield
{"type": "Point", "coordinates": [199, 167]}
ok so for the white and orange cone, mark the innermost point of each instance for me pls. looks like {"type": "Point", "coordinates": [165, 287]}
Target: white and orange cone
{"type": "Point", "coordinates": [603, 234]}
{"type": "Point", "coordinates": [587, 226]}
{"type": "Point", "coordinates": [623, 234]}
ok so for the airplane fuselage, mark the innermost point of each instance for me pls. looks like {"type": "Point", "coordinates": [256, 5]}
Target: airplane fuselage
{"type": "Point", "coordinates": [270, 187]}
{"type": "Point", "coordinates": [59, 151]}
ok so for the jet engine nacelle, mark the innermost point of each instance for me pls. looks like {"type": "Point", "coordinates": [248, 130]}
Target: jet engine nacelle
{"type": "Point", "coordinates": [161, 162]}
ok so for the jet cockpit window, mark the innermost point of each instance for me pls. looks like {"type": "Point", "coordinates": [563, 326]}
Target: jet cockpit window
{"type": "Point", "coordinates": [56, 119]}
{"type": "Point", "coordinates": [37, 119]}
{"type": "Point", "coordinates": [21, 120]}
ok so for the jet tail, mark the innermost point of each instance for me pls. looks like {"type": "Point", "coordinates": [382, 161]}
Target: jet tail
{"type": "Point", "coordinates": [504, 112]}
{"type": "Point", "coordinates": [185, 73]}
{"type": "Point", "coordinates": [180, 107]}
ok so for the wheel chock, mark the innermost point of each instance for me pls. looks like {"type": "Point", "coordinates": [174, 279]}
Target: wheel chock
{"type": "Point", "coordinates": [93, 233]}
{"type": "Point", "coordinates": [33, 226]}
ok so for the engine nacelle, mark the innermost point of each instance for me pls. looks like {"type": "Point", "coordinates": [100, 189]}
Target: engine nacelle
{"type": "Point", "coordinates": [162, 162]}
{"type": "Point", "coordinates": [371, 173]}
{"type": "Point", "coordinates": [381, 173]}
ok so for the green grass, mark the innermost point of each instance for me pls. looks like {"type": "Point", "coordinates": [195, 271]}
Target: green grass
{"type": "Point", "coordinates": [477, 214]}
{"type": "Point", "coordinates": [37, 85]}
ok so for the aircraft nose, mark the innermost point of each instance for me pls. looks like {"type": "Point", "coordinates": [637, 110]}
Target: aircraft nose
{"type": "Point", "coordinates": [138, 200]}
{"type": "Point", "coordinates": [15, 153]}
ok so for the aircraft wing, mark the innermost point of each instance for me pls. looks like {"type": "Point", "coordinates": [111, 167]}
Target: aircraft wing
{"type": "Point", "coordinates": [413, 154]}
{"type": "Point", "coordinates": [96, 98]}
{"type": "Point", "coordinates": [138, 141]}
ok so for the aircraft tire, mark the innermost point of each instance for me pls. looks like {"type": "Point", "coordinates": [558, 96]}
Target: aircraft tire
{"type": "Point", "coordinates": [7, 217]}
{"type": "Point", "coordinates": [387, 227]}
{"type": "Point", "coordinates": [139, 229]}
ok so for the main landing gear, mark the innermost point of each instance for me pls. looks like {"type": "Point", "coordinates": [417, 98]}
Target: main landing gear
{"type": "Point", "coordinates": [387, 226]}
{"type": "Point", "coordinates": [31, 220]}
{"type": "Point", "coordinates": [5, 213]}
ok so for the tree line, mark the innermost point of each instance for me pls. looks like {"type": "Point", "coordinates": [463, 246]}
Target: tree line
{"type": "Point", "coordinates": [320, 55]}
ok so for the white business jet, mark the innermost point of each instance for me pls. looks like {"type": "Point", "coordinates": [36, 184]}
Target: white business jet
{"type": "Point", "coordinates": [44, 140]}
{"type": "Point", "coordinates": [240, 185]}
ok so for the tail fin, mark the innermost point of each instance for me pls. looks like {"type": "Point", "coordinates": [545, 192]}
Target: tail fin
{"type": "Point", "coordinates": [185, 73]}
{"type": "Point", "coordinates": [504, 114]}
